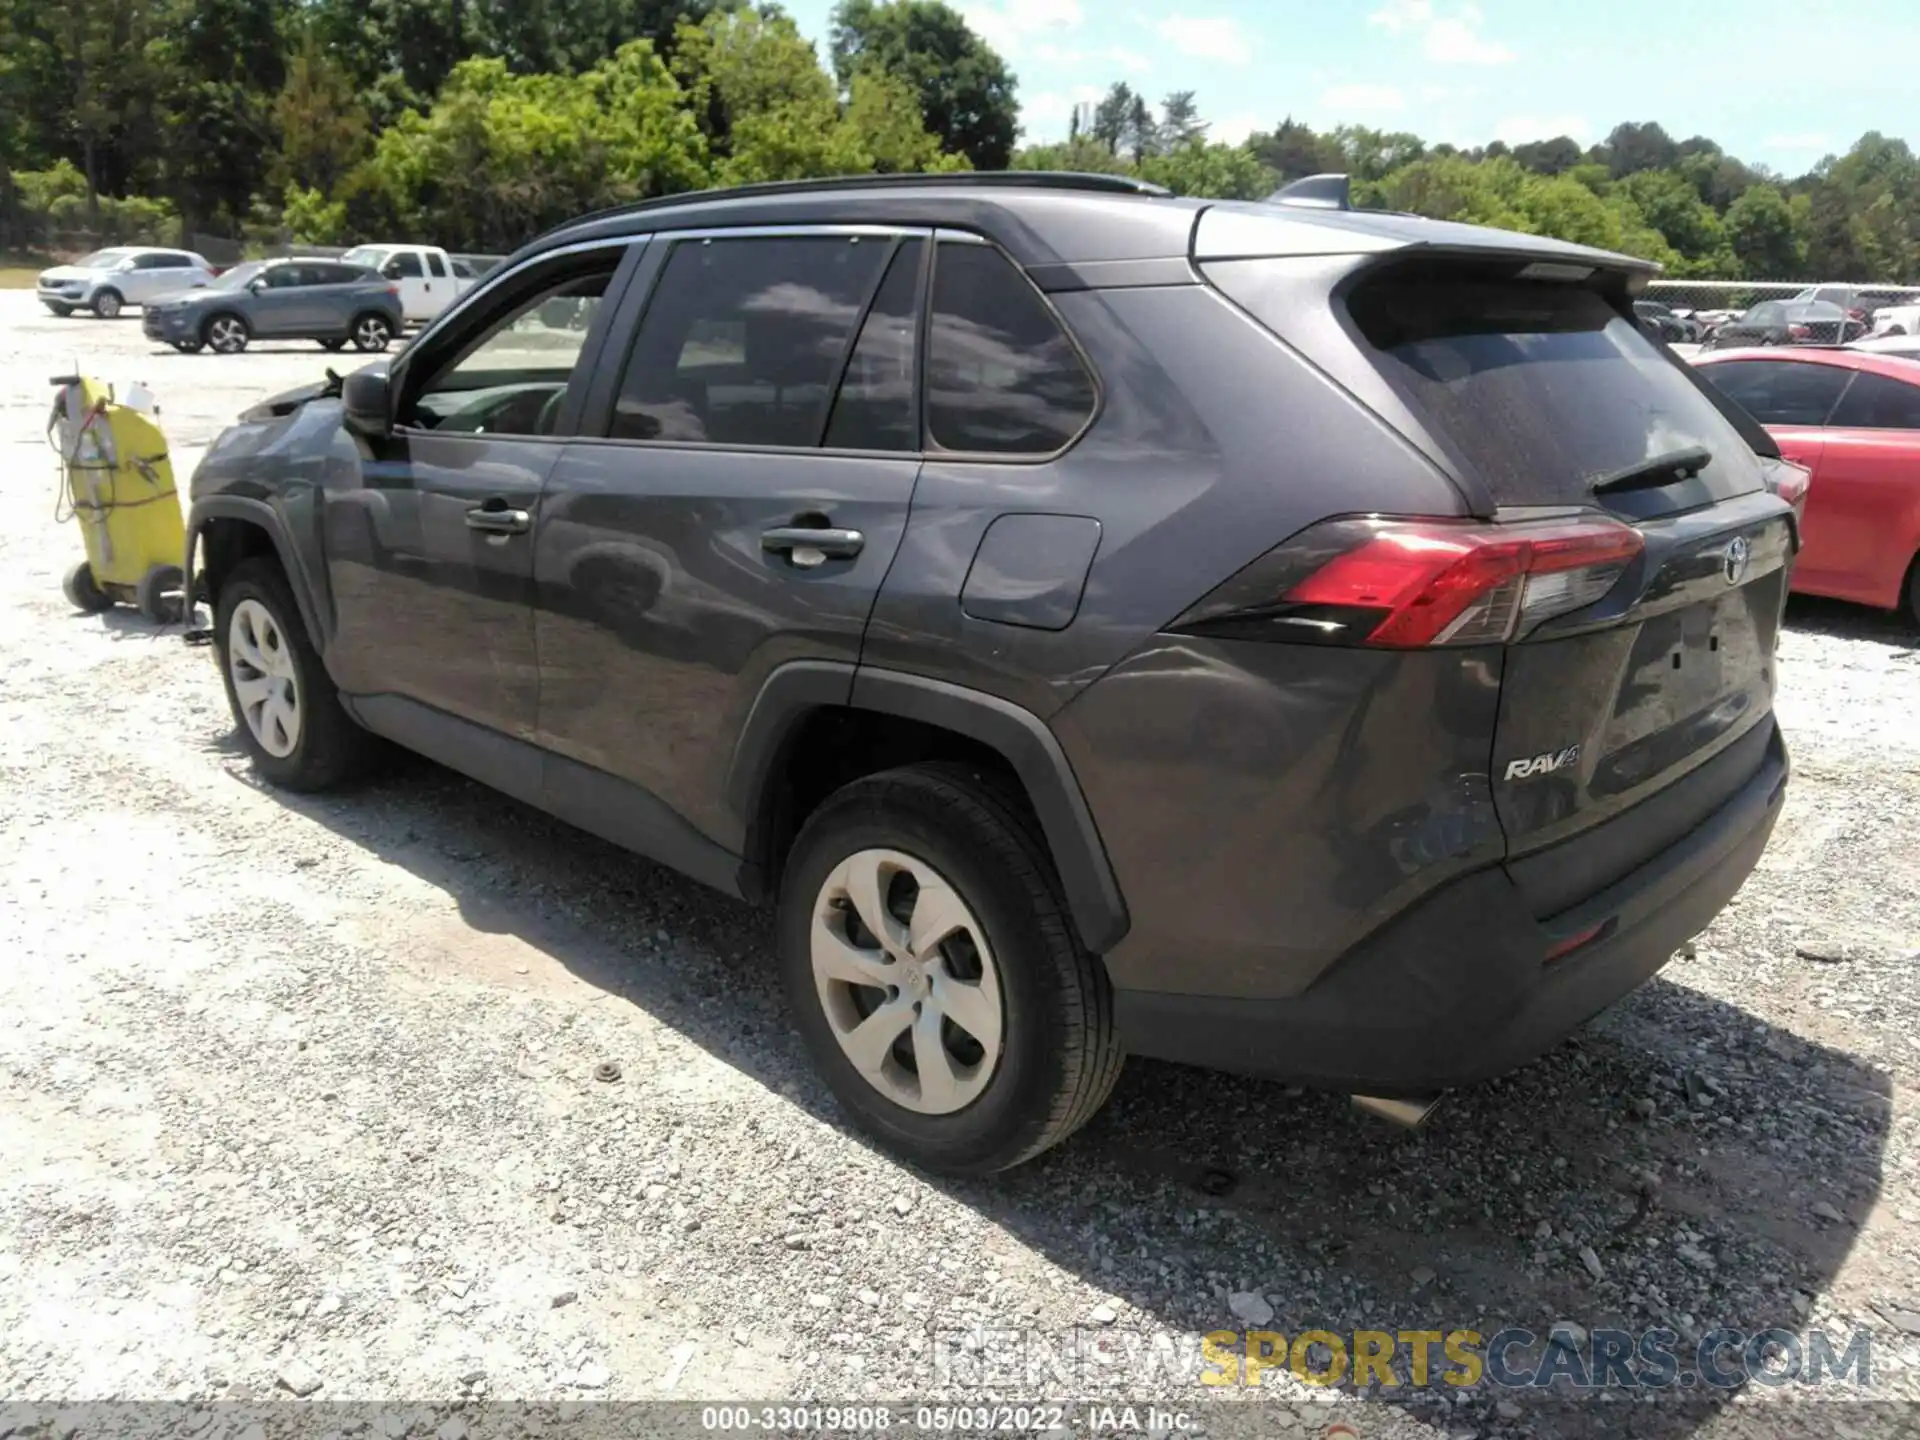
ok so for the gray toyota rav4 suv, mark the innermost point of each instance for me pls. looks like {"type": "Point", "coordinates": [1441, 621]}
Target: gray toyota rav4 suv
{"type": "Point", "coordinates": [1311, 642]}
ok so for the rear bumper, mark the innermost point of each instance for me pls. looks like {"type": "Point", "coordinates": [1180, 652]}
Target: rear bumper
{"type": "Point", "coordinates": [1456, 989]}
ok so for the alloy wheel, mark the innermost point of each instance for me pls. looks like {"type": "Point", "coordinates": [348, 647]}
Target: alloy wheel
{"type": "Point", "coordinates": [227, 335]}
{"type": "Point", "coordinates": [265, 684]}
{"type": "Point", "coordinates": [372, 333]}
{"type": "Point", "coordinates": [907, 981]}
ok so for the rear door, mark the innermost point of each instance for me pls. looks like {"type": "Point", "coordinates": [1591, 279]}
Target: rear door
{"type": "Point", "coordinates": [756, 451]}
{"type": "Point", "coordinates": [1543, 395]}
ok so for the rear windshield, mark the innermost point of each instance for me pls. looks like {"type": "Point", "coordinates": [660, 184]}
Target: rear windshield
{"type": "Point", "coordinates": [1542, 388]}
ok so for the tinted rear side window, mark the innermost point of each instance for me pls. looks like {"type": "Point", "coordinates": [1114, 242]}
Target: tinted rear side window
{"type": "Point", "coordinates": [1543, 388]}
{"type": "Point", "coordinates": [1780, 392]}
{"type": "Point", "coordinates": [743, 340]}
{"type": "Point", "coordinates": [1873, 402]}
{"type": "Point", "coordinates": [876, 407]}
{"type": "Point", "coordinates": [1002, 376]}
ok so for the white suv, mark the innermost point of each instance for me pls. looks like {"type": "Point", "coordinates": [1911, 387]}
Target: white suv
{"type": "Point", "coordinates": [107, 280]}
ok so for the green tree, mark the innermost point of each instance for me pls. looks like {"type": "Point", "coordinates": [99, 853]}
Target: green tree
{"type": "Point", "coordinates": [1632, 148]}
{"type": "Point", "coordinates": [1763, 234]}
{"type": "Point", "coordinates": [966, 91]}
{"type": "Point", "coordinates": [1180, 122]}
{"type": "Point", "coordinates": [1549, 157]}
{"type": "Point", "coordinates": [325, 132]}
{"type": "Point", "coordinates": [1220, 172]}
{"type": "Point", "coordinates": [1293, 151]}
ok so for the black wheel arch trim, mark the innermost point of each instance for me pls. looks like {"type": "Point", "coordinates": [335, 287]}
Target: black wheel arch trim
{"type": "Point", "coordinates": [1019, 736]}
{"type": "Point", "coordinates": [259, 513]}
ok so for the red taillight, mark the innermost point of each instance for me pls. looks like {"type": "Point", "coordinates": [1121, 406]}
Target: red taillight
{"type": "Point", "coordinates": [1405, 584]}
{"type": "Point", "coordinates": [1443, 584]}
{"type": "Point", "coordinates": [394, 290]}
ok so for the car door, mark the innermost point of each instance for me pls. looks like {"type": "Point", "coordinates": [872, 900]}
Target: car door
{"type": "Point", "coordinates": [1792, 397]}
{"type": "Point", "coordinates": [430, 555]}
{"type": "Point", "coordinates": [438, 287]}
{"type": "Point", "coordinates": [752, 455]}
{"type": "Point", "coordinates": [279, 301]}
{"type": "Point", "coordinates": [1863, 512]}
{"type": "Point", "coordinates": [405, 269]}
{"type": "Point", "coordinates": [145, 279]}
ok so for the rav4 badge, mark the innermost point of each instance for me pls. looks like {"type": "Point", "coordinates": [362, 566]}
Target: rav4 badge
{"type": "Point", "coordinates": [1542, 764]}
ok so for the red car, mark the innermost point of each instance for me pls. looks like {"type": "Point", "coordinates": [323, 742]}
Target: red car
{"type": "Point", "coordinates": [1853, 419]}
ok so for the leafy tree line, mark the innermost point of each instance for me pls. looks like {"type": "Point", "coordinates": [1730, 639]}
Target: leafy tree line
{"type": "Point", "coordinates": [476, 123]}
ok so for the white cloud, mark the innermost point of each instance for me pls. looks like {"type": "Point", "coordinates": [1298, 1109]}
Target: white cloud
{"type": "Point", "coordinates": [1809, 140]}
{"type": "Point", "coordinates": [1345, 102]}
{"type": "Point", "coordinates": [1232, 129]}
{"type": "Point", "coordinates": [1131, 60]}
{"type": "Point", "coordinates": [1444, 39]}
{"type": "Point", "coordinates": [1047, 115]}
{"type": "Point", "coordinates": [1207, 37]}
{"type": "Point", "coordinates": [1518, 129]}
{"type": "Point", "coordinates": [1008, 26]}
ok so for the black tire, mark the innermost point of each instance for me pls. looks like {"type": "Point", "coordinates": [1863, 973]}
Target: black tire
{"type": "Point", "coordinates": [371, 332]}
{"type": "Point", "coordinates": [1913, 593]}
{"type": "Point", "coordinates": [333, 344]}
{"type": "Point", "coordinates": [107, 303]}
{"type": "Point", "coordinates": [82, 592]}
{"type": "Point", "coordinates": [189, 347]}
{"type": "Point", "coordinates": [1059, 1057]}
{"type": "Point", "coordinates": [63, 311]}
{"type": "Point", "coordinates": [330, 747]}
{"type": "Point", "coordinates": [160, 595]}
{"type": "Point", "coordinates": [226, 333]}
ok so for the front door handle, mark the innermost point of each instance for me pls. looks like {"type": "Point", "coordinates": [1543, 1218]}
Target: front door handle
{"type": "Point", "coordinates": [806, 546]}
{"type": "Point", "coordinates": [499, 522]}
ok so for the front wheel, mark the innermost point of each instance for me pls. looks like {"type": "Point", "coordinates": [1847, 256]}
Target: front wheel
{"type": "Point", "coordinates": [227, 334]}
{"type": "Point", "coordinates": [189, 347]}
{"type": "Point", "coordinates": [284, 703]}
{"type": "Point", "coordinates": [160, 595]}
{"type": "Point", "coordinates": [934, 975]}
{"type": "Point", "coordinates": [63, 311]}
{"type": "Point", "coordinates": [83, 592]}
{"type": "Point", "coordinates": [372, 333]}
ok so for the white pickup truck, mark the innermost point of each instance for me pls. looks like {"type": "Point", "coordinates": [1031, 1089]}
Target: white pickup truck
{"type": "Point", "coordinates": [429, 279]}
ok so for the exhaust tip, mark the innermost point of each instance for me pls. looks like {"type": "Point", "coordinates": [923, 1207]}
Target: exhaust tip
{"type": "Point", "coordinates": [1407, 1114]}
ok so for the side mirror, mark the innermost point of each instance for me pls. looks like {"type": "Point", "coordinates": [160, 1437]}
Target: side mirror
{"type": "Point", "coordinates": [365, 403]}
{"type": "Point", "coordinates": [257, 285]}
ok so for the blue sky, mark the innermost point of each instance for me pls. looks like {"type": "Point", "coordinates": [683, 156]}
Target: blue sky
{"type": "Point", "coordinates": [1771, 80]}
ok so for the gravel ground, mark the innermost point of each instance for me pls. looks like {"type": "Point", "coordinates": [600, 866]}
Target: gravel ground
{"type": "Point", "coordinates": [304, 1094]}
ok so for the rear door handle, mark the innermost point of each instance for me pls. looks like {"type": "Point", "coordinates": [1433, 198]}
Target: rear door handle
{"type": "Point", "coordinates": [807, 547]}
{"type": "Point", "coordinates": [499, 522]}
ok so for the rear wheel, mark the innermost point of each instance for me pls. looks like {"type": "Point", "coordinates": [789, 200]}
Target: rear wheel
{"type": "Point", "coordinates": [333, 344]}
{"type": "Point", "coordinates": [372, 333]}
{"type": "Point", "coordinates": [1913, 593]}
{"type": "Point", "coordinates": [226, 334]}
{"type": "Point", "coordinates": [107, 303]}
{"type": "Point", "coordinates": [934, 975]}
{"type": "Point", "coordinates": [160, 595]}
{"type": "Point", "coordinates": [83, 592]}
{"type": "Point", "coordinates": [284, 703]}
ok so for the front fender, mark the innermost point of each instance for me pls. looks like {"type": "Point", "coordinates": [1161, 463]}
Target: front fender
{"type": "Point", "coordinates": [264, 516]}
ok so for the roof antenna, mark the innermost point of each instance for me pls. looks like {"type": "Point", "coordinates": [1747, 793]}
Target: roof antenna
{"type": "Point", "coordinates": [1316, 192]}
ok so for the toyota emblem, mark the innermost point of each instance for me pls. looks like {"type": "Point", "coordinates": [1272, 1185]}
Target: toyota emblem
{"type": "Point", "coordinates": [1738, 558]}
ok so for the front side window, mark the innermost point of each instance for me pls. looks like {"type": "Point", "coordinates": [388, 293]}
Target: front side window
{"type": "Point", "coordinates": [744, 339]}
{"type": "Point", "coordinates": [1002, 376]}
{"type": "Point", "coordinates": [1780, 392]}
{"type": "Point", "coordinates": [1873, 402]}
{"type": "Point", "coordinates": [284, 277]}
{"type": "Point", "coordinates": [512, 377]}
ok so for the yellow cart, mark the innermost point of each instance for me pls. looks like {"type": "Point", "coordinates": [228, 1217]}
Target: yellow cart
{"type": "Point", "coordinates": [118, 483]}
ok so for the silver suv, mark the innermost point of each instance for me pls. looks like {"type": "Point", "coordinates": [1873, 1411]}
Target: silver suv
{"type": "Point", "coordinates": [108, 280]}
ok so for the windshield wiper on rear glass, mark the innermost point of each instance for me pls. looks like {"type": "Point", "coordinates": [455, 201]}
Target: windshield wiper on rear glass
{"type": "Point", "coordinates": [1668, 469]}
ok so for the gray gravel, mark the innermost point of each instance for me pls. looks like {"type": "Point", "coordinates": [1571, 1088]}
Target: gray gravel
{"type": "Point", "coordinates": [305, 1096]}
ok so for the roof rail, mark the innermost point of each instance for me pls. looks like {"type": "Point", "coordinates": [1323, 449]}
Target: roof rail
{"type": "Point", "coordinates": [1316, 192]}
{"type": "Point", "coordinates": [956, 180]}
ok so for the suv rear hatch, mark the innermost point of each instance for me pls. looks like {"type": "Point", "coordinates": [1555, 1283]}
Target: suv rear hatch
{"type": "Point", "coordinates": [1628, 554]}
